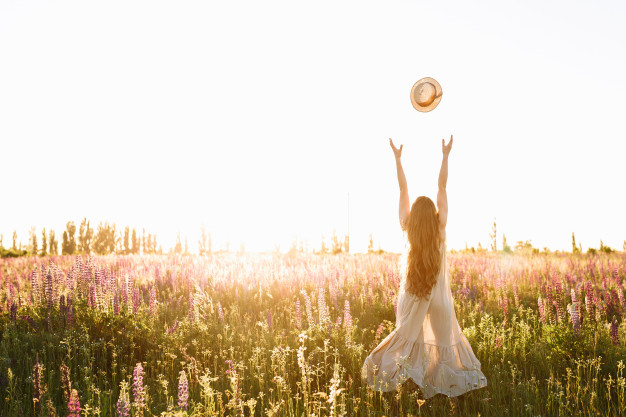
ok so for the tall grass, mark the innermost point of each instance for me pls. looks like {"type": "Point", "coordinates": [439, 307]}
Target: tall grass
{"type": "Point", "coordinates": [279, 335]}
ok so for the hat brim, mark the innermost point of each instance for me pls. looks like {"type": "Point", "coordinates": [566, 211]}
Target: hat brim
{"type": "Point", "coordinates": [435, 102]}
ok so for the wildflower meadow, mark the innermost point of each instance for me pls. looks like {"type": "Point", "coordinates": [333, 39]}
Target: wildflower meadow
{"type": "Point", "coordinates": [286, 335]}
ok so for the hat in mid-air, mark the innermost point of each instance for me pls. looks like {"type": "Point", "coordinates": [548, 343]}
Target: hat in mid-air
{"type": "Point", "coordinates": [426, 94]}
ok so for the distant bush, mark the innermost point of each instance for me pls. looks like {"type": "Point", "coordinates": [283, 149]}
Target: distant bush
{"type": "Point", "coordinates": [11, 253]}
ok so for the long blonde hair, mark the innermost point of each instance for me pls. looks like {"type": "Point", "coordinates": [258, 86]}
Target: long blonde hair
{"type": "Point", "coordinates": [424, 259]}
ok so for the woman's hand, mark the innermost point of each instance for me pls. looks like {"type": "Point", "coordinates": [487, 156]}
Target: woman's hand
{"type": "Point", "coordinates": [445, 148]}
{"type": "Point", "coordinates": [396, 152]}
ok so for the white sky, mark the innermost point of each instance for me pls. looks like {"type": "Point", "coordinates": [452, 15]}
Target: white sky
{"type": "Point", "coordinates": [256, 118]}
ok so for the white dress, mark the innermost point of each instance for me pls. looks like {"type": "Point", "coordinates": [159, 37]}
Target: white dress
{"type": "Point", "coordinates": [427, 344]}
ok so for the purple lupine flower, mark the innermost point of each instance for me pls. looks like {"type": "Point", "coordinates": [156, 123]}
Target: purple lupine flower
{"type": "Point", "coordinates": [13, 312]}
{"type": "Point", "coordinates": [91, 301]}
{"type": "Point", "coordinates": [542, 313]}
{"type": "Point", "coordinates": [62, 306]}
{"type": "Point", "coordinates": [49, 290]}
{"type": "Point", "coordinates": [73, 405]}
{"type": "Point", "coordinates": [192, 310]}
{"type": "Point", "coordinates": [34, 282]}
{"type": "Point", "coordinates": [573, 294]}
{"type": "Point", "coordinates": [298, 315]}
{"type": "Point", "coordinates": [116, 304]}
{"type": "Point", "coordinates": [183, 391]}
{"type": "Point", "coordinates": [123, 402]}
{"type": "Point", "coordinates": [70, 312]}
{"type": "Point", "coordinates": [573, 312]}
{"type": "Point", "coordinates": [138, 389]}
{"type": "Point", "coordinates": [616, 300]}
{"type": "Point", "coordinates": [136, 300]}
{"type": "Point", "coordinates": [153, 300]}
{"type": "Point", "coordinates": [614, 334]}
{"type": "Point", "coordinates": [309, 310]}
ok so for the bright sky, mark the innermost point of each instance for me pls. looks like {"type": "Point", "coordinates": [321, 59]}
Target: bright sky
{"type": "Point", "coordinates": [257, 118]}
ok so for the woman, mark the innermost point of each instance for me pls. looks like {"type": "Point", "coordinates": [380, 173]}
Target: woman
{"type": "Point", "coordinates": [427, 344]}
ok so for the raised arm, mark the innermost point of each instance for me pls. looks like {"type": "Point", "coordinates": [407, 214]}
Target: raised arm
{"type": "Point", "coordinates": [404, 207]}
{"type": "Point", "coordinates": [442, 196]}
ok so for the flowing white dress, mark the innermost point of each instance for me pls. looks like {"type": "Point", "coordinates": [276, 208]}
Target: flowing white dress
{"type": "Point", "coordinates": [427, 344]}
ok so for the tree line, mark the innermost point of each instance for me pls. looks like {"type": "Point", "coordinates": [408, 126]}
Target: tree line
{"type": "Point", "coordinates": [106, 239]}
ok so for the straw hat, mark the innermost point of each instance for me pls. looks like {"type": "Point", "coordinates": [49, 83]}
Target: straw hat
{"type": "Point", "coordinates": [426, 94]}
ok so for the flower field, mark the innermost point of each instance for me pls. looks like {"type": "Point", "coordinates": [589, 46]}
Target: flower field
{"type": "Point", "coordinates": [286, 335]}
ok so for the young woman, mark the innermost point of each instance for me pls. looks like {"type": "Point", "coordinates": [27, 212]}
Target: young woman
{"type": "Point", "coordinates": [427, 344]}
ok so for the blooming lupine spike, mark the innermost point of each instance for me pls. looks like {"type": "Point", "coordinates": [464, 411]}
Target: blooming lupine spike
{"type": "Point", "coordinates": [138, 389]}
{"type": "Point", "coordinates": [183, 391]}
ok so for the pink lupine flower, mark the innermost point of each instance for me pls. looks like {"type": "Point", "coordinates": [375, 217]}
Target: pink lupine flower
{"type": "Point", "coordinates": [136, 300]}
{"type": "Point", "coordinates": [614, 334]}
{"type": "Point", "coordinates": [542, 313]}
{"type": "Point", "coordinates": [347, 317]}
{"type": "Point", "coordinates": [559, 311]}
{"type": "Point", "coordinates": [309, 310]}
{"type": "Point", "coordinates": [116, 304]}
{"type": "Point", "coordinates": [73, 404]}
{"type": "Point", "coordinates": [498, 342]}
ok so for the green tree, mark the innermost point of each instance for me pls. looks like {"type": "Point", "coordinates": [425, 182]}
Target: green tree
{"type": "Point", "coordinates": [505, 246]}
{"type": "Point", "coordinates": [179, 247]}
{"type": "Point", "coordinates": [135, 243]}
{"type": "Point", "coordinates": [337, 245]}
{"type": "Point", "coordinates": [126, 240]}
{"type": "Point", "coordinates": [14, 247]}
{"type": "Point", "coordinates": [44, 243]}
{"type": "Point", "coordinates": [494, 237]}
{"type": "Point", "coordinates": [202, 242]}
{"type": "Point", "coordinates": [54, 244]}
{"type": "Point", "coordinates": [69, 239]}
{"type": "Point", "coordinates": [33, 247]}
{"type": "Point", "coordinates": [85, 235]}
{"type": "Point", "coordinates": [605, 249]}
{"type": "Point", "coordinates": [575, 248]}
{"type": "Point", "coordinates": [370, 246]}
